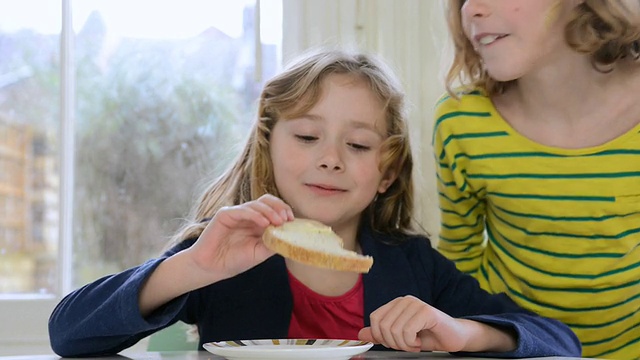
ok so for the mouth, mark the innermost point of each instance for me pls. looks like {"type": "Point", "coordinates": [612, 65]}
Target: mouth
{"type": "Point", "coordinates": [324, 188]}
{"type": "Point", "coordinates": [488, 39]}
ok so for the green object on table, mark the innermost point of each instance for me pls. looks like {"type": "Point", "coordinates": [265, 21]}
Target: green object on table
{"type": "Point", "coordinates": [172, 338]}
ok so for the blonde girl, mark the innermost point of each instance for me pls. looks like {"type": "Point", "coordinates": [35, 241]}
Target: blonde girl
{"type": "Point", "coordinates": [538, 147]}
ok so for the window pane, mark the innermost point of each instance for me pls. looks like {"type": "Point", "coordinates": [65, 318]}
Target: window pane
{"type": "Point", "coordinates": [29, 124]}
{"type": "Point", "coordinates": [165, 93]}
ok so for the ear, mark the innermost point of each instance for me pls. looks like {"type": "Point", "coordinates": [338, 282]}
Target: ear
{"type": "Point", "coordinates": [387, 180]}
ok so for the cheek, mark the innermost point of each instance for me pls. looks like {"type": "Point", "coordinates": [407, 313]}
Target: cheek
{"type": "Point", "coordinates": [369, 170]}
{"type": "Point", "coordinates": [465, 27]}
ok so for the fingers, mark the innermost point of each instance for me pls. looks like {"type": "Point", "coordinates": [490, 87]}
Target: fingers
{"type": "Point", "coordinates": [274, 206]}
{"type": "Point", "coordinates": [265, 211]}
{"type": "Point", "coordinates": [232, 242]}
{"type": "Point", "coordinates": [365, 335]}
{"type": "Point", "coordinates": [397, 324]}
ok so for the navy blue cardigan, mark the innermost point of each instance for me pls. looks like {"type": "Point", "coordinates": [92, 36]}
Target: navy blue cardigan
{"type": "Point", "coordinates": [103, 317]}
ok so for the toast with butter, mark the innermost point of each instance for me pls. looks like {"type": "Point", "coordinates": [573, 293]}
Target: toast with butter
{"type": "Point", "coordinates": [313, 243]}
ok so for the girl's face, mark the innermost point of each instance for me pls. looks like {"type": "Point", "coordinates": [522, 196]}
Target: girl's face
{"type": "Point", "coordinates": [515, 38]}
{"type": "Point", "coordinates": [325, 162]}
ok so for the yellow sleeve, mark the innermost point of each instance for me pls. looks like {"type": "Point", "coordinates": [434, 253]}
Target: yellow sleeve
{"type": "Point", "coordinates": [462, 210]}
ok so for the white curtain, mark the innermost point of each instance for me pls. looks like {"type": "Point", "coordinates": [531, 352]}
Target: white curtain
{"type": "Point", "coordinates": [410, 35]}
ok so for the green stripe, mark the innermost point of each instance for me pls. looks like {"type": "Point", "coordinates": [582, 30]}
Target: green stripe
{"type": "Point", "coordinates": [459, 94]}
{"type": "Point", "coordinates": [474, 136]}
{"type": "Point", "coordinates": [618, 348]}
{"type": "Point", "coordinates": [570, 235]}
{"type": "Point", "coordinates": [455, 201]}
{"type": "Point", "coordinates": [592, 343]}
{"type": "Point", "coordinates": [554, 197]}
{"type": "Point", "coordinates": [443, 99]}
{"type": "Point", "coordinates": [453, 184]}
{"type": "Point", "coordinates": [510, 155]}
{"type": "Point", "coordinates": [447, 184]}
{"type": "Point", "coordinates": [462, 215]}
{"type": "Point", "coordinates": [601, 325]}
{"type": "Point", "coordinates": [565, 218]}
{"type": "Point", "coordinates": [562, 308]}
{"type": "Point", "coordinates": [493, 240]}
{"type": "Point", "coordinates": [455, 114]}
{"type": "Point", "coordinates": [618, 175]}
{"type": "Point", "coordinates": [562, 255]}
{"type": "Point", "coordinates": [587, 290]}
{"type": "Point", "coordinates": [479, 221]}
{"type": "Point", "coordinates": [451, 240]}
{"type": "Point", "coordinates": [484, 273]}
{"type": "Point", "coordinates": [468, 258]}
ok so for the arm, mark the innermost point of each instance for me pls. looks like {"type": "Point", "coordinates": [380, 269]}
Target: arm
{"type": "Point", "coordinates": [453, 314]}
{"type": "Point", "coordinates": [115, 312]}
{"type": "Point", "coordinates": [102, 318]}
{"type": "Point", "coordinates": [460, 296]}
{"type": "Point", "coordinates": [461, 210]}
{"type": "Point", "coordinates": [407, 323]}
{"type": "Point", "coordinates": [230, 244]}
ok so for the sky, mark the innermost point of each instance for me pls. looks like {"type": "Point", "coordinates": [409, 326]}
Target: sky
{"type": "Point", "coordinates": [143, 18]}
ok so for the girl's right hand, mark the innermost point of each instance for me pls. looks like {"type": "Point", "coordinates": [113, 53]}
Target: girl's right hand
{"type": "Point", "coordinates": [232, 241]}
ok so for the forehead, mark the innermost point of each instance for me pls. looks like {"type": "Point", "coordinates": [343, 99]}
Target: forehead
{"type": "Point", "coordinates": [351, 101]}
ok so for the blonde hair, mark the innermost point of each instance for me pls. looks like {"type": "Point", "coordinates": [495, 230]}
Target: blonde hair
{"type": "Point", "coordinates": [293, 92]}
{"type": "Point", "coordinates": [606, 30]}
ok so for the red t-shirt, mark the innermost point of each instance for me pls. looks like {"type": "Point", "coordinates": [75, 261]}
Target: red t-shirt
{"type": "Point", "coordinates": [317, 316]}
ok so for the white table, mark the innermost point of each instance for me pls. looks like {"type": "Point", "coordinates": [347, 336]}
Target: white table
{"type": "Point", "coordinates": [204, 355]}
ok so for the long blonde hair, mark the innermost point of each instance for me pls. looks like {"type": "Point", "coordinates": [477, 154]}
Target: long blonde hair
{"type": "Point", "coordinates": [292, 92]}
{"type": "Point", "coordinates": [606, 30]}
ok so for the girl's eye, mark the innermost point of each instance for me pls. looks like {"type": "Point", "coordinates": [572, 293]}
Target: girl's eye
{"type": "Point", "coordinates": [359, 147]}
{"type": "Point", "coordinates": [306, 138]}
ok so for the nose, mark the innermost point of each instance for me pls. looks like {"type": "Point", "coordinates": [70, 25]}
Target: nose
{"type": "Point", "coordinates": [330, 158]}
{"type": "Point", "coordinates": [475, 8]}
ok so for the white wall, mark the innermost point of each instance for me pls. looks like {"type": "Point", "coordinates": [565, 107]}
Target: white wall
{"type": "Point", "coordinates": [411, 35]}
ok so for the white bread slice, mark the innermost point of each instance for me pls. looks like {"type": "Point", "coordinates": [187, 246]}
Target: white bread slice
{"type": "Point", "coordinates": [313, 243]}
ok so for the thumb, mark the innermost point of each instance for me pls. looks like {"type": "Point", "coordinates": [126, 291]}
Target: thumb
{"type": "Point", "coordinates": [366, 335]}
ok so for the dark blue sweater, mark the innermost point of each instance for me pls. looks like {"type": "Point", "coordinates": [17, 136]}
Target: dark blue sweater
{"type": "Point", "coordinates": [103, 317]}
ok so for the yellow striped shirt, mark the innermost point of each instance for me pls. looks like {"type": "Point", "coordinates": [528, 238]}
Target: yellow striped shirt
{"type": "Point", "coordinates": [558, 230]}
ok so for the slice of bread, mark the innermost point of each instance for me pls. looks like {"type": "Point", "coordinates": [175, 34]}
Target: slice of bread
{"type": "Point", "coordinates": [313, 243]}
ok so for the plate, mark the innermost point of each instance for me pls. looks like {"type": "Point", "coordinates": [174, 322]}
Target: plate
{"type": "Point", "coordinates": [316, 349]}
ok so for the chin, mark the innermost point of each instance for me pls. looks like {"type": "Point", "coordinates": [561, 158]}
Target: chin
{"type": "Point", "coordinates": [327, 220]}
{"type": "Point", "coordinates": [503, 74]}
{"type": "Point", "coordinates": [503, 77]}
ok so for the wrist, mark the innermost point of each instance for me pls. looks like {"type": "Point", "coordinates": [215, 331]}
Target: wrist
{"type": "Point", "coordinates": [483, 337]}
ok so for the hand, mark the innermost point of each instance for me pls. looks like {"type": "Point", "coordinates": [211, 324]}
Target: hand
{"type": "Point", "coordinates": [232, 241]}
{"type": "Point", "coordinates": [409, 324]}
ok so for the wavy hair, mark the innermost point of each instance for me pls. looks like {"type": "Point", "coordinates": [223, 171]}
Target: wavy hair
{"type": "Point", "coordinates": [606, 30]}
{"type": "Point", "coordinates": [293, 92]}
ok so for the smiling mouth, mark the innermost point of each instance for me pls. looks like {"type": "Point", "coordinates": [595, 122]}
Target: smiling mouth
{"type": "Point", "coordinates": [325, 188]}
{"type": "Point", "coordinates": [489, 39]}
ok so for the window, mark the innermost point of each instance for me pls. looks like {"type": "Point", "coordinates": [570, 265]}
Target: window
{"type": "Point", "coordinates": [155, 100]}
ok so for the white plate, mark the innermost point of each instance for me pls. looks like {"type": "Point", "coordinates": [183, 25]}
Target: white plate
{"type": "Point", "coordinates": [319, 349]}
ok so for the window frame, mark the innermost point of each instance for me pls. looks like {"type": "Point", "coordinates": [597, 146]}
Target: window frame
{"type": "Point", "coordinates": [25, 329]}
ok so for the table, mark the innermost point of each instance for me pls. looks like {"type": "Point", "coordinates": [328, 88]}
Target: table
{"type": "Point", "coordinates": [204, 355]}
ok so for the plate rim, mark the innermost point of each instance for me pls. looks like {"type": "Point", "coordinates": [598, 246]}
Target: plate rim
{"type": "Point", "coordinates": [212, 346]}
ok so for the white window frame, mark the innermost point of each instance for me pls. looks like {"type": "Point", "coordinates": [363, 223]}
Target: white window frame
{"type": "Point", "coordinates": [24, 327]}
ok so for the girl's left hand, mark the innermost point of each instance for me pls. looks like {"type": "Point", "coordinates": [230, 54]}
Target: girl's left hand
{"type": "Point", "coordinates": [407, 323]}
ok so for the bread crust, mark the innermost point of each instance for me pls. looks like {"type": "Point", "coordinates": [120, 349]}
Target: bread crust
{"type": "Point", "coordinates": [356, 263]}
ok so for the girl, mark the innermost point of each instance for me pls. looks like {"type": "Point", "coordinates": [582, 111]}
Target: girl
{"type": "Point", "coordinates": [329, 144]}
{"type": "Point", "coordinates": [539, 168]}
